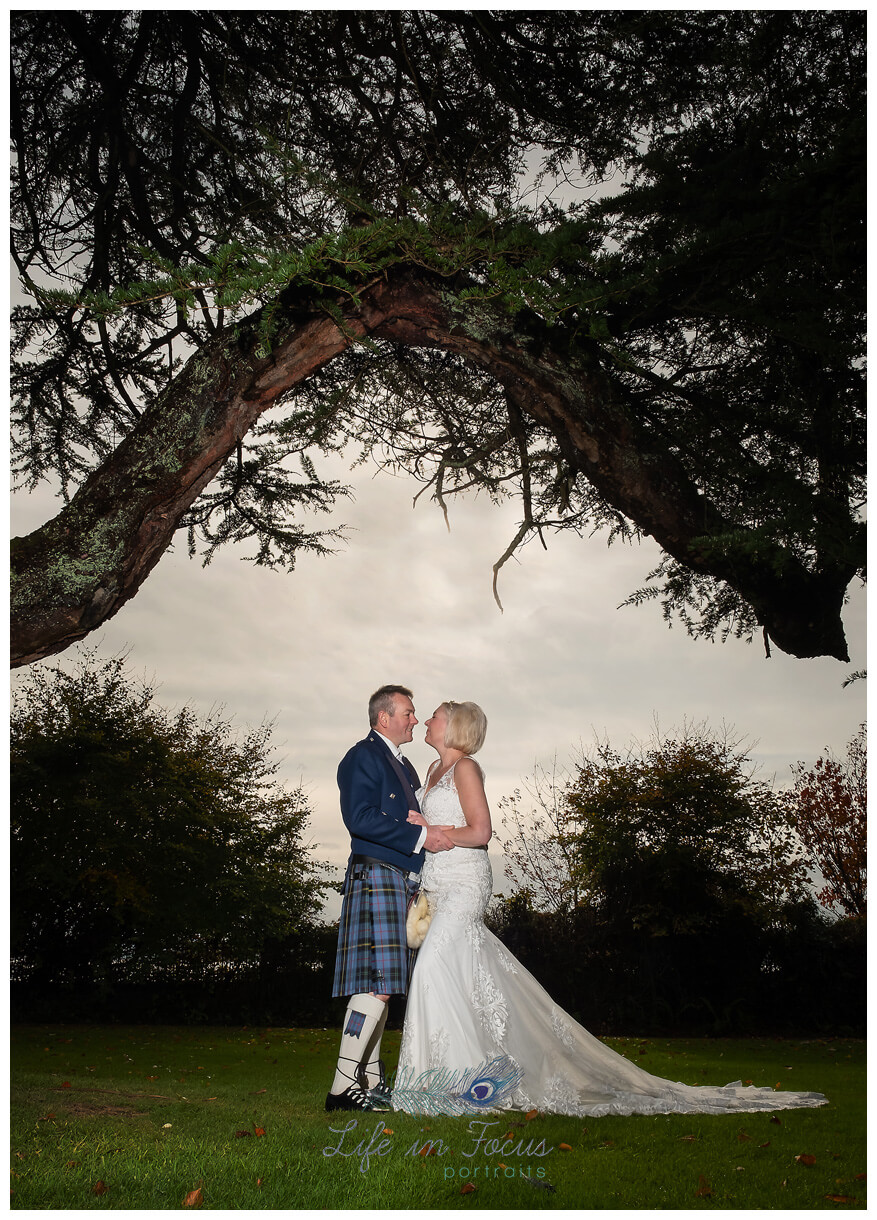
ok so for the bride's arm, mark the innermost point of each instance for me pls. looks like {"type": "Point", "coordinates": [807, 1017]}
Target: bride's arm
{"type": "Point", "coordinates": [470, 789]}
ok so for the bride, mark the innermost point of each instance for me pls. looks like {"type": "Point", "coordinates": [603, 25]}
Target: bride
{"type": "Point", "coordinates": [471, 1004]}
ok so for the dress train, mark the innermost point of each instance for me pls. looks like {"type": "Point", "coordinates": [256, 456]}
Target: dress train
{"type": "Point", "coordinates": [471, 1002]}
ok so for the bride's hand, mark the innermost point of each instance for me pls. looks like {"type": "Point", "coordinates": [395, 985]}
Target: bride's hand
{"type": "Point", "coordinates": [416, 818]}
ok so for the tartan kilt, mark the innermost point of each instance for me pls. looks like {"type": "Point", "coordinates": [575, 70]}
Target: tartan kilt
{"type": "Point", "coordinates": [373, 953]}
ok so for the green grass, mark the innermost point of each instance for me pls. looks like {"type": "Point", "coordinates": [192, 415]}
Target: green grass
{"type": "Point", "coordinates": [154, 1113]}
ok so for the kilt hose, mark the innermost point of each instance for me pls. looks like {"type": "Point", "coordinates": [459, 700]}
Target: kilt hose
{"type": "Point", "coordinates": [373, 953]}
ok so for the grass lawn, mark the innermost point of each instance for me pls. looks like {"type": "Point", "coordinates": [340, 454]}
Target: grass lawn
{"type": "Point", "coordinates": [160, 1117]}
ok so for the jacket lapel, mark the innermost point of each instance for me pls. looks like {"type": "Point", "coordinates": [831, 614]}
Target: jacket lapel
{"type": "Point", "coordinates": [401, 772]}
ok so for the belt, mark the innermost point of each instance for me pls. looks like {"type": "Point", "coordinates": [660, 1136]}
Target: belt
{"type": "Point", "coordinates": [356, 860]}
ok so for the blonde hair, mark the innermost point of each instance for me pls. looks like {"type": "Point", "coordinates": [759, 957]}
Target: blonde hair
{"type": "Point", "coordinates": [466, 727]}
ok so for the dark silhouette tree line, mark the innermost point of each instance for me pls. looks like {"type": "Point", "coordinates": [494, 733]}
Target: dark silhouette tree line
{"type": "Point", "coordinates": [157, 867]}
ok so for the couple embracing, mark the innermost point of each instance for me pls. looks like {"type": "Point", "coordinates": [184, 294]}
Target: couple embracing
{"type": "Point", "coordinates": [471, 1004]}
{"type": "Point", "coordinates": [390, 839]}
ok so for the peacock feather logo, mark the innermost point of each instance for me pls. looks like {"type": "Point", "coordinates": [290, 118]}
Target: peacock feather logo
{"type": "Point", "coordinates": [466, 1091]}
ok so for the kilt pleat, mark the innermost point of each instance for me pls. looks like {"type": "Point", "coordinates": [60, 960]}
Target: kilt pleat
{"type": "Point", "coordinates": [373, 953]}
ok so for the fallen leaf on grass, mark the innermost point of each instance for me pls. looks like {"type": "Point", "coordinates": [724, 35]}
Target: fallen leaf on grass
{"type": "Point", "coordinates": [806, 1159]}
{"type": "Point", "coordinates": [689, 1139]}
{"type": "Point", "coordinates": [258, 1130]}
{"type": "Point", "coordinates": [565, 1147]}
{"type": "Point", "coordinates": [766, 1144]}
{"type": "Point", "coordinates": [194, 1198]}
{"type": "Point", "coordinates": [467, 1189]}
{"type": "Point", "coordinates": [387, 1131]}
{"type": "Point", "coordinates": [840, 1198]}
{"type": "Point", "coordinates": [99, 1188]}
{"type": "Point", "coordinates": [704, 1190]}
{"type": "Point", "coordinates": [65, 1084]}
{"type": "Point", "coordinates": [742, 1137]}
{"type": "Point", "coordinates": [239, 1135]}
{"type": "Point", "coordinates": [860, 1177]}
{"type": "Point", "coordinates": [778, 1121]}
{"type": "Point", "coordinates": [531, 1114]}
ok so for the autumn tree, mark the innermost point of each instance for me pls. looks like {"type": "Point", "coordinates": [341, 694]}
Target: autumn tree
{"type": "Point", "coordinates": [144, 843]}
{"type": "Point", "coordinates": [828, 808]}
{"type": "Point", "coordinates": [611, 263]}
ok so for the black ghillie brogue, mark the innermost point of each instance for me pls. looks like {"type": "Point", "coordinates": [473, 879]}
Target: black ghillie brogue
{"type": "Point", "coordinates": [355, 1098]}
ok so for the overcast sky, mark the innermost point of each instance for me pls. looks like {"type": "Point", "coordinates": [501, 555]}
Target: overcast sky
{"type": "Point", "coordinates": [406, 601]}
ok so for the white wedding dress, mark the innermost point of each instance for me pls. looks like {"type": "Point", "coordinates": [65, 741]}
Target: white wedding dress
{"type": "Point", "coordinates": [470, 1001]}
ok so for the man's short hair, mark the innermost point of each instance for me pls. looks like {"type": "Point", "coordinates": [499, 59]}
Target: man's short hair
{"type": "Point", "coordinates": [384, 700]}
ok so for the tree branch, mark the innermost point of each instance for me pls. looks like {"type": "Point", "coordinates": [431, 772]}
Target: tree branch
{"type": "Point", "coordinates": [82, 566]}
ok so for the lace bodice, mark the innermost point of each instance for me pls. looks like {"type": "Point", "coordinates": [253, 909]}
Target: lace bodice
{"type": "Point", "coordinates": [440, 805]}
{"type": "Point", "coordinates": [459, 882]}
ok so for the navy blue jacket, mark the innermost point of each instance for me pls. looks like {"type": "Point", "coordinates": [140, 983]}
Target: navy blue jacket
{"type": "Point", "coordinates": [375, 804]}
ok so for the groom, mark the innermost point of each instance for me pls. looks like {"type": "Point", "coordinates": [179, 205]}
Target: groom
{"type": "Point", "coordinates": [377, 787]}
